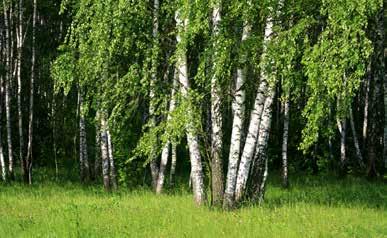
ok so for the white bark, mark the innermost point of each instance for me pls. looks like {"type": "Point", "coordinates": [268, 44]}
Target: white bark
{"type": "Point", "coordinates": [19, 44]}
{"type": "Point", "coordinates": [2, 161]}
{"type": "Point", "coordinates": [112, 167]}
{"type": "Point", "coordinates": [236, 133]}
{"type": "Point", "coordinates": [285, 179]}
{"type": "Point", "coordinates": [342, 126]}
{"type": "Point", "coordinates": [216, 120]}
{"type": "Point", "coordinates": [192, 138]}
{"type": "Point", "coordinates": [153, 164]}
{"type": "Point", "coordinates": [83, 155]}
{"type": "Point", "coordinates": [165, 151]}
{"type": "Point", "coordinates": [251, 140]}
{"type": "Point", "coordinates": [31, 106]}
{"type": "Point", "coordinates": [105, 154]}
{"type": "Point", "coordinates": [8, 76]}
{"type": "Point", "coordinates": [173, 165]}
{"type": "Point", "coordinates": [262, 144]}
{"type": "Point", "coordinates": [355, 140]}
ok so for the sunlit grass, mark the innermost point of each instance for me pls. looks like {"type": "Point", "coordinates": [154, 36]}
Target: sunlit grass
{"type": "Point", "coordinates": [313, 207]}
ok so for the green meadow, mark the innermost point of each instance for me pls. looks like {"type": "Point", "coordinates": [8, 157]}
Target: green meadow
{"type": "Point", "coordinates": [312, 207]}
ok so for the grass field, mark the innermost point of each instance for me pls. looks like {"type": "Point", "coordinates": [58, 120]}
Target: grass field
{"type": "Point", "coordinates": [313, 207]}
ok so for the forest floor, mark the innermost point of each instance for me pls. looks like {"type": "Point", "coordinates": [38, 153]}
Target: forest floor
{"type": "Point", "coordinates": [313, 207]}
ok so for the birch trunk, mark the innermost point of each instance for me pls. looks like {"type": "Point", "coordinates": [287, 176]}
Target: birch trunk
{"type": "Point", "coordinates": [342, 126]}
{"type": "Point", "coordinates": [236, 133]}
{"type": "Point", "coordinates": [251, 140]}
{"type": "Point", "coordinates": [192, 138]}
{"type": "Point", "coordinates": [20, 35]}
{"type": "Point", "coordinates": [260, 172]}
{"type": "Point", "coordinates": [355, 140]}
{"type": "Point", "coordinates": [2, 161]}
{"type": "Point", "coordinates": [29, 158]}
{"type": "Point", "coordinates": [105, 154]}
{"type": "Point", "coordinates": [97, 161]}
{"type": "Point", "coordinates": [285, 179]}
{"type": "Point", "coordinates": [112, 167]}
{"type": "Point", "coordinates": [8, 75]}
{"type": "Point", "coordinates": [378, 82]}
{"type": "Point", "coordinates": [173, 166]}
{"type": "Point", "coordinates": [217, 121]}
{"type": "Point", "coordinates": [153, 164]}
{"type": "Point", "coordinates": [165, 151]}
{"type": "Point", "coordinates": [83, 155]}
{"type": "Point", "coordinates": [366, 106]}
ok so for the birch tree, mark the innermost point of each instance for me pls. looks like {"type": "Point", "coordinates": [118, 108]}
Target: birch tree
{"type": "Point", "coordinates": [216, 118]}
{"type": "Point", "coordinates": [192, 138]}
{"type": "Point", "coordinates": [255, 120]}
{"type": "Point", "coordinates": [237, 126]}
{"type": "Point", "coordinates": [7, 79]}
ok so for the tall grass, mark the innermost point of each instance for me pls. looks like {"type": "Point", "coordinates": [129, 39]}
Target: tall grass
{"type": "Point", "coordinates": [313, 207]}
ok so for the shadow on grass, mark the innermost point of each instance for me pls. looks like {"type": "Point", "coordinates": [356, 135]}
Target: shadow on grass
{"type": "Point", "coordinates": [328, 191]}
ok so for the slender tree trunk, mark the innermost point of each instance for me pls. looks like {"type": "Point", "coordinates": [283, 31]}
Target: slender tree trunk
{"type": "Point", "coordinates": [8, 76]}
{"type": "Point", "coordinates": [260, 171]}
{"type": "Point", "coordinates": [355, 140]}
{"type": "Point", "coordinates": [236, 134]}
{"type": "Point", "coordinates": [217, 121]}
{"type": "Point", "coordinates": [376, 117]}
{"type": "Point", "coordinates": [153, 164]}
{"type": "Point", "coordinates": [105, 154]}
{"type": "Point", "coordinates": [2, 161]}
{"type": "Point", "coordinates": [20, 38]}
{"type": "Point", "coordinates": [112, 172]}
{"type": "Point", "coordinates": [29, 157]}
{"type": "Point", "coordinates": [251, 140]}
{"type": "Point", "coordinates": [366, 106]}
{"type": "Point", "coordinates": [165, 151]}
{"type": "Point", "coordinates": [97, 161]}
{"type": "Point", "coordinates": [53, 118]}
{"type": "Point", "coordinates": [173, 166]}
{"type": "Point", "coordinates": [83, 155]}
{"type": "Point", "coordinates": [192, 138]}
{"type": "Point", "coordinates": [342, 126]}
{"type": "Point", "coordinates": [285, 179]}
{"type": "Point", "coordinates": [255, 120]}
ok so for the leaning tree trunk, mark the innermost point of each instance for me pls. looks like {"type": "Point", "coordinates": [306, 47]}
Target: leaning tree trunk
{"type": "Point", "coordinates": [285, 178]}
{"type": "Point", "coordinates": [217, 176]}
{"type": "Point", "coordinates": [8, 76]}
{"type": "Point", "coordinates": [251, 140]}
{"type": "Point", "coordinates": [192, 137]}
{"type": "Point", "coordinates": [355, 140]}
{"type": "Point", "coordinates": [236, 133]}
{"type": "Point", "coordinates": [260, 170]}
{"type": "Point", "coordinates": [165, 151]}
{"type": "Point", "coordinates": [32, 87]}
